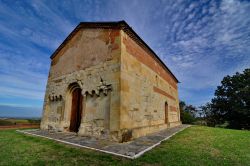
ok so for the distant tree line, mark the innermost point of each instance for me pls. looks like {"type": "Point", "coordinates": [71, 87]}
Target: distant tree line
{"type": "Point", "coordinates": [229, 108]}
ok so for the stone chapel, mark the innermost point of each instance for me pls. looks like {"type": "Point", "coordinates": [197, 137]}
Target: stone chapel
{"type": "Point", "coordinates": [106, 82]}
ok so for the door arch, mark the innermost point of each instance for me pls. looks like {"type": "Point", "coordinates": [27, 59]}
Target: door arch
{"type": "Point", "coordinates": [76, 107]}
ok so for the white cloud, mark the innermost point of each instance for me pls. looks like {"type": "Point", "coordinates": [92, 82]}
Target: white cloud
{"type": "Point", "coordinates": [200, 41]}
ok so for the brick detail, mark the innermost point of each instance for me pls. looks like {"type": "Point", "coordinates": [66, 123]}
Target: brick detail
{"type": "Point", "coordinates": [141, 55]}
{"type": "Point", "coordinates": [163, 93]}
{"type": "Point", "coordinates": [173, 109]}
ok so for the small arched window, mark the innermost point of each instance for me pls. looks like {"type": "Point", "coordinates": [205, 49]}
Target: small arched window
{"type": "Point", "coordinates": [166, 112]}
{"type": "Point", "coordinates": [156, 80]}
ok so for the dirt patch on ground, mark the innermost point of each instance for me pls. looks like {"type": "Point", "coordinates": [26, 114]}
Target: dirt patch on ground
{"type": "Point", "coordinates": [19, 126]}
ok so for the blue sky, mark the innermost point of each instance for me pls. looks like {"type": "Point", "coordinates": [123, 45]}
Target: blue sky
{"type": "Point", "coordinates": [200, 41]}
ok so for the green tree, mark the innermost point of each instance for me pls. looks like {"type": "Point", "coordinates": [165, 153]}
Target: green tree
{"type": "Point", "coordinates": [210, 115]}
{"type": "Point", "coordinates": [232, 101]}
{"type": "Point", "coordinates": [187, 113]}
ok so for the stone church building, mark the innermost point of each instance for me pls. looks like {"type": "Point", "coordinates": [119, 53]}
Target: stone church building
{"type": "Point", "coordinates": [106, 82]}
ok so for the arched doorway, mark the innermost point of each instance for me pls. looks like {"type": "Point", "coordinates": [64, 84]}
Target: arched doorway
{"type": "Point", "coordinates": [166, 112]}
{"type": "Point", "coordinates": [76, 107]}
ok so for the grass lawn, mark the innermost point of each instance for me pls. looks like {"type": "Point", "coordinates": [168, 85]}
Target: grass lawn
{"type": "Point", "coordinates": [194, 146]}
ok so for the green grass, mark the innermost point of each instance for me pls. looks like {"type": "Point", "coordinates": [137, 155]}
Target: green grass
{"type": "Point", "coordinates": [193, 146]}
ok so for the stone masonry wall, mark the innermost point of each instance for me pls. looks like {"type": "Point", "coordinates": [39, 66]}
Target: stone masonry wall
{"type": "Point", "coordinates": [124, 89]}
{"type": "Point", "coordinates": [145, 87]}
{"type": "Point", "coordinates": [91, 55]}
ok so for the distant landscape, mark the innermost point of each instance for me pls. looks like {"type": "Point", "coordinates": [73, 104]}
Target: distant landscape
{"type": "Point", "coordinates": [16, 117]}
{"type": "Point", "coordinates": [19, 123]}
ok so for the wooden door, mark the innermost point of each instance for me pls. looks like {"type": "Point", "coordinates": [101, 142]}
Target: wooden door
{"type": "Point", "coordinates": [76, 110]}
